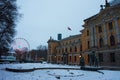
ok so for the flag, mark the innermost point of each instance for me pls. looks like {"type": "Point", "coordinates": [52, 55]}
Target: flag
{"type": "Point", "coordinates": [69, 29]}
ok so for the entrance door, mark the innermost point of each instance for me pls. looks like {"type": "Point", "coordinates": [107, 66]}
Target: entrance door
{"type": "Point", "coordinates": [65, 59]}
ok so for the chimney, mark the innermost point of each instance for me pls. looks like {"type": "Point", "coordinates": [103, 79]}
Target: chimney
{"type": "Point", "coordinates": [59, 36]}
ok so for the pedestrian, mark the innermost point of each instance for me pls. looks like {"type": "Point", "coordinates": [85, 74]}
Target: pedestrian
{"type": "Point", "coordinates": [82, 62]}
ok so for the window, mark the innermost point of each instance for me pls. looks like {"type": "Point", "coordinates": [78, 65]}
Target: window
{"type": "Point", "coordinates": [112, 57]}
{"type": "Point", "coordinates": [70, 49]}
{"type": "Point", "coordinates": [110, 25]}
{"type": "Point", "coordinates": [100, 55]}
{"type": "Point", "coordinates": [74, 41]}
{"type": "Point", "coordinates": [99, 29]}
{"type": "Point", "coordinates": [49, 46]}
{"type": "Point", "coordinates": [81, 47]}
{"type": "Point", "coordinates": [59, 50]}
{"type": "Point", "coordinates": [88, 44]}
{"type": "Point", "coordinates": [88, 57]}
{"type": "Point", "coordinates": [112, 40]}
{"type": "Point", "coordinates": [75, 49]}
{"type": "Point", "coordinates": [62, 50]}
{"type": "Point", "coordinates": [70, 42]}
{"type": "Point", "coordinates": [87, 32]}
{"type": "Point", "coordinates": [67, 43]}
{"type": "Point", "coordinates": [58, 58]}
{"type": "Point", "coordinates": [66, 50]}
{"type": "Point", "coordinates": [62, 58]}
{"type": "Point", "coordinates": [70, 58]}
{"type": "Point", "coordinates": [50, 50]}
{"type": "Point", "coordinates": [101, 42]}
{"type": "Point", "coordinates": [75, 58]}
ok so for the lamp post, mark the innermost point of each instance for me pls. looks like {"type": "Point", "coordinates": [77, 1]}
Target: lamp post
{"type": "Point", "coordinates": [82, 61]}
{"type": "Point", "coordinates": [79, 56]}
{"type": "Point", "coordinates": [55, 59]}
{"type": "Point", "coordinates": [36, 56]}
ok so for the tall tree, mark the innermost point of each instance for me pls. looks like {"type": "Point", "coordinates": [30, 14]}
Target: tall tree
{"type": "Point", "coordinates": [8, 18]}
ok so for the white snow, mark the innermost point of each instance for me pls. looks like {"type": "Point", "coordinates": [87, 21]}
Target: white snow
{"type": "Point", "coordinates": [51, 74]}
{"type": "Point", "coordinates": [35, 65]}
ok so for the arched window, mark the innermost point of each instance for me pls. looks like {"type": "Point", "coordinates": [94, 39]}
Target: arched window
{"type": "Point", "coordinates": [112, 40]}
{"type": "Point", "coordinates": [101, 42]}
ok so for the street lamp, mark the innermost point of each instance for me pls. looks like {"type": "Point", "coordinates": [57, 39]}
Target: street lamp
{"type": "Point", "coordinates": [79, 56]}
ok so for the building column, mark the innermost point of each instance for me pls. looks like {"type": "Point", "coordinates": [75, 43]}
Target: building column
{"type": "Point", "coordinates": [91, 37]}
{"type": "Point", "coordinates": [95, 37]}
{"type": "Point", "coordinates": [117, 31]}
{"type": "Point", "coordinates": [105, 35]}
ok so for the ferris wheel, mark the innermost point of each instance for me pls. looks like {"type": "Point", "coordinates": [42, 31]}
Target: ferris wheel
{"type": "Point", "coordinates": [20, 44]}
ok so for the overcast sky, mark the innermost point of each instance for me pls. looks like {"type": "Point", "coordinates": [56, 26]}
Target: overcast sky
{"type": "Point", "coordinates": [44, 18]}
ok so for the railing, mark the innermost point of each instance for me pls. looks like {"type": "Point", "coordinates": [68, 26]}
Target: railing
{"type": "Point", "coordinates": [8, 58]}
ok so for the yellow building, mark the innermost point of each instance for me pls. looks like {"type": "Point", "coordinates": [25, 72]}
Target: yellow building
{"type": "Point", "coordinates": [100, 38]}
{"type": "Point", "coordinates": [65, 51]}
{"type": "Point", "coordinates": [101, 34]}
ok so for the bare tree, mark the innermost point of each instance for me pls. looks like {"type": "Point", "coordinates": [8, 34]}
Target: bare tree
{"type": "Point", "coordinates": [8, 18]}
{"type": "Point", "coordinates": [42, 52]}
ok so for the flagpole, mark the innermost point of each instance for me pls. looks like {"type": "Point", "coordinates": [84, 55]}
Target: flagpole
{"type": "Point", "coordinates": [69, 29]}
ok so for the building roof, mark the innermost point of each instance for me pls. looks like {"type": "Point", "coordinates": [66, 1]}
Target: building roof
{"type": "Point", "coordinates": [71, 37]}
{"type": "Point", "coordinates": [101, 12]}
{"type": "Point", "coordinates": [52, 40]}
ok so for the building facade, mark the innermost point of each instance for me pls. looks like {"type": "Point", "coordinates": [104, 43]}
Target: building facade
{"type": "Point", "coordinates": [65, 51]}
{"type": "Point", "coordinates": [101, 35]}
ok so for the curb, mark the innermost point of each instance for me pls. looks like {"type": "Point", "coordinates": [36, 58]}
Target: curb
{"type": "Point", "coordinates": [30, 70]}
{"type": "Point", "coordinates": [90, 69]}
{"type": "Point", "coordinates": [19, 70]}
{"type": "Point", "coordinates": [82, 68]}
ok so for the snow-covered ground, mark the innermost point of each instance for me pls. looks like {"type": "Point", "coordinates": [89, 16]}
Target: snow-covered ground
{"type": "Point", "coordinates": [54, 74]}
